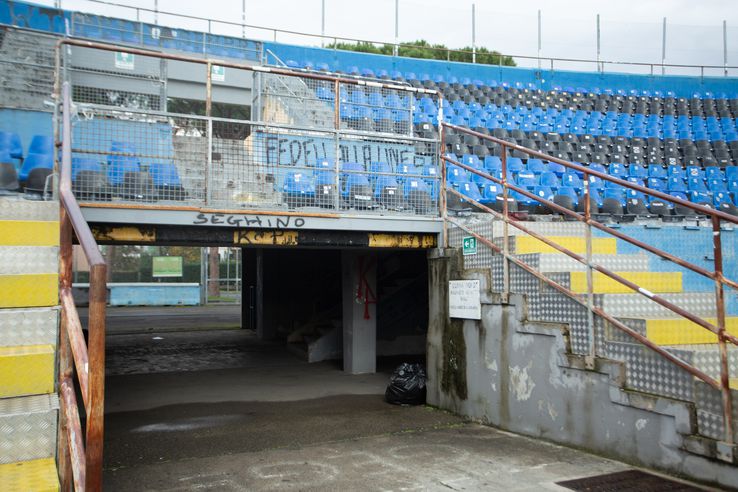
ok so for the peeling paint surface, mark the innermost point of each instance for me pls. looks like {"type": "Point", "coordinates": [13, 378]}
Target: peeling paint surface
{"type": "Point", "coordinates": [521, 382]}
{"type": "Point", "coordinates": [641, 423]}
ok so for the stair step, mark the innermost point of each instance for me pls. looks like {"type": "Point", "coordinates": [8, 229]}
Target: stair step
{"type": "Point", "coordinates": [36, 475]}
{"type": "Point", "coordinates": [637, 305]}
{"type": "Point", "coordinates": [18, 208]}
{"type": "Point", "coordinates": [26, 370]}
{"type": "Point", "coordinates": [557, 262]}
{"type": "Point", "coordinates": [29, 233]}
{"type": "Point", "coordinates": [29, 290]}
{"type": "Point", "coordinates": [656, 282]}
{"type": "Point", "coordinates": [16, 260]}
{"type": "Point", "coordinates": [28, 427]}
{"type": "Point", "coordinates": [706, 357]}
{"type": "Point", "coordinates": [33, 326]}
{"type": "Point", "coordinates": [529, 244]}
{"type": "Point", "coordinates": [681, 331]}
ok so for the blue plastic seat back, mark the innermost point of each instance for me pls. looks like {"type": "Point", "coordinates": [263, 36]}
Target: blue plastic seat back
{"type": "Point", "coordinates": [715, 184]}
{"type": "Point", "coordinates": [618, 170]}
{"type": "Point", "coordinates": [164, 174]}
{"type": "Point", "coordinates": [556, 168]}
{"type": "Point", "coordinates": [637, 171]}
{"type": "Point", "coordinates": [515, 164]}
{"type": "Point", "coordinates": [413, 184]}
{"type": "Point", "coordinates": [615, 193]}
{"type": "Point", "coordinates": [490, 190]}
{"type": "Point", "coordinates": [12, 143]}
{"type": "Point", "coordinates": [456, 174]}
{"type": "Point", "coordinates": [119, 165]}
{"type": "Point", "coordinates": [714, 172]}
{"type": "Point", "coordinates": [570, 192]}
{"type": "Point", "coordinates": [544, 192]}
{"type": "Point", "coordinates": [536, 166]}
{"type": "Point", "coordinates": [84, 164]}
{"type": "Point", "coordinates": [695, 183]}
{"type": "Point", "coordinates": [656, 184]}
{"type": "Point", "coordinates": [297, 183]}
{"type": "Point", "coordinates": [41, 144]}
{"type": "Point", "coordinates": [35, 161]}
{"type": "Point", "coordinates": [384, 182]}
{"type": "Point", "coordinates": [675, 183]}
{"type": "Point", "coordinates": [722, 197]}
{"type": "Point", "coordinates": [571, 179]}
{"type": "Point", "coordinates": [492, 163]}
{"type": "Point", "coordinates": [470, 190]}
{"type": "Point", "coordinates": [696, 196]}
{"type": "Point", "coordinates": [656, 171]}
{"type": "Point", "coordinates": [549, 179]}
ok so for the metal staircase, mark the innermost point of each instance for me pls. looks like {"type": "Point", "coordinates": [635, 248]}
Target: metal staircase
{"type": "Point", "coordinates": [645, 371]}
{"type": "Point", "coordinates": [29, 315]}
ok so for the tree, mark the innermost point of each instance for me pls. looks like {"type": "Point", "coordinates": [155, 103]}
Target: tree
{"type": "Point", "coordinates": [424, 50]}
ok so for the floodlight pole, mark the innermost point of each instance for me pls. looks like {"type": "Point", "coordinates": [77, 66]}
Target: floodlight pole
{"type": "Point", "coordinates": [474, 33]}
{"type": "Point", "coordinates": [725, 48]}
{"type": "Point", "coordinates": [397, 28]}
{"type": "Point", "coordinates": [539, 39]}
{"type": "Point", "coordinates": [243, 18]}
{"type": "Point", "coordinates": [663, 47]}
{"type": "Point", "coordinates": [156, 12]}
{"type": "Point", "coordinates": [599, 46]}
{"type": "Point", "coordinates": [322, 23]}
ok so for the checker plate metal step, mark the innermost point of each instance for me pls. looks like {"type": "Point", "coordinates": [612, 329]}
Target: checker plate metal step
{"type": "Point", "coordinates": [33, 326]}
{"type": "Point", "coordinates": [18, 208]}
{"type": "Point", "coordinates": [16, 260]}
{"type": "Point", "coordinates": [529, 244]}
{"type": "Point", "coordinates": [36, 475]}
{"type": "Point", "coordinates": [637, 305]}
{"type": "Point", "coordinates": [557, 262]}
{"type": "Point", "coordinates": [657, 282]}
{"type": "Point", "coordinates": [26, 370]}
{"type": "Point", "coordinates": [680, 331]}
{"type": "Point", "coordinates": [28, 427]}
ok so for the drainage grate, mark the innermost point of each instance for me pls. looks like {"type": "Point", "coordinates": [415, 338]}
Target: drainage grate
{"type": "Point", "coordinates": [635, 480]}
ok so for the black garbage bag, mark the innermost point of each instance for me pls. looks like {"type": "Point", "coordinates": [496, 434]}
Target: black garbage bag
{"type": "Point", "coordinates": [407, 385]}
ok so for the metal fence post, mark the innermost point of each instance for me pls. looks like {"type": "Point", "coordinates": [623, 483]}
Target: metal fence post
{"type": "Point", "coordinates": [590, 275]}
{"type": "Point", "coordinates": [539, 39]}
{"type": "Point", "coordinates": [663, 48]}
{"type": "Point", "coordinates": [598, 42]}
{"type": "Point", "coordinates": [505, 231]}
{"type": "Point", "coordinates": [725, 48]}
{"type": "Point", "coordinates": [337, 144]}
{"type": "Point", "coordinates": [474, 33]}
{"type": "Point", "coordinates": [720, 305]}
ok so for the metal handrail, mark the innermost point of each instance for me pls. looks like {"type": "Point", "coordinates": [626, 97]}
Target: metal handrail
{"type": "Point", "coordinates": [550, 60]}
{"type": "Point", "coordinates": [80, 463]}
{"type": "Point", "coordinates": [723, 384]}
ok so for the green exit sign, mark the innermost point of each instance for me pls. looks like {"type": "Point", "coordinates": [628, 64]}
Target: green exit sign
{"type": "Point", "coordinates": [469, 244]}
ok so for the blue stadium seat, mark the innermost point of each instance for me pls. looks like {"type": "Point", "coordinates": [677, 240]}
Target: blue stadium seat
{"type": "Point", "coordinates": [490, 191]}
{"type": "Point", "coordinates": [12, 143]}
{"type": "Point", "coordinates": [556, 168]}
{"type": "Point", "coordinates": [549, 179]}
{"type": "Point", "coordinates": [656, 171]}
{"type": "Point", "coordinates": [515, 164]}
{"type": "Point", "coordinates": [470, 190]}
{"type": "Point", "coordinates": [674, 183]}
{"type": "Point", "coordinates": [41, 144]}
{"type": "Point", "coordinates": [528, 180]}
{"type": "Point", "coordinates": [492, 163]}
{"type": "Point", "coordinates": [417, 195]}
{"type": "Point", "coordinates": [569, 192]}
{"type": "Point", "coordinates": [700, 197]}
{"type": "Point", "coordinates": [536, 166]}
{"type": "Point", "coordinates": [8, 173]}
{"type": "Point", "coordinates": [637, 171]}
{"type": "Point", "coordinates": [456, 175]}
{"type": "Point", "coordinates": [119, 166]}
{"type": "Point", "coordinates": [387, 192]}
{"type": "Point", "coordinates": [34, 161]}
{"type": "Point", "coordinates": [696, 184]}
{"type": "Point", "coordinates": [571, 179]}
{"type": "Point", "coordinates": [298, 189]}
{"type": "Point", "coordinates": [617, 170]}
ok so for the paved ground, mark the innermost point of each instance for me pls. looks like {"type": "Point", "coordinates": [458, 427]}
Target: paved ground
{"type": "Point", "coordinates": [219, 410]}
{"type": "Point", "coordinates": [138, 319]}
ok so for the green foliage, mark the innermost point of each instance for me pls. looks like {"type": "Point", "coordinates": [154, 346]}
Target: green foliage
{"type": "Point", "coordinates": [424, 50]}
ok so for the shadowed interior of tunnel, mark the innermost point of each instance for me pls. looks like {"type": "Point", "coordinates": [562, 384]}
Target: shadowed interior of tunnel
{"type": "Point", "coordinates": [185, 382]}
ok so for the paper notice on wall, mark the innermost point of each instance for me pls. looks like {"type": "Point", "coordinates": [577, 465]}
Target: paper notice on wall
{"type": "Point", "coordinates": [464, 300]}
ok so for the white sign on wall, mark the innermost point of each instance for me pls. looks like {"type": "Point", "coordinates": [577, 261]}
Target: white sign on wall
{"type": "Point", "coordinates": [217, 73]}
{"type": "Point", "coordinates": [463, 299]}
{"type": "Point", "coordinates": [126, 61]}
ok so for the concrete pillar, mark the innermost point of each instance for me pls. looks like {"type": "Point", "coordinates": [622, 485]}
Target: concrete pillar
{"type": "Point", "coordinates": [359, 285]}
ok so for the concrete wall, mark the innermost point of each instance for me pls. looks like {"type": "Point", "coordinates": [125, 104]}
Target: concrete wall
{"type": "Point", "coordinates": [519, 376]}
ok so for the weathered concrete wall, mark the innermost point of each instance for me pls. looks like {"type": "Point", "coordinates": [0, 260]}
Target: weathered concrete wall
{"type": "Point", "coordinates": [518, 376]}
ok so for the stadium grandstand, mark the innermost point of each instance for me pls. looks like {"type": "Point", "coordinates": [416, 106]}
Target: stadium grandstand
{"type": "Point", "coordinates": [576, 230]}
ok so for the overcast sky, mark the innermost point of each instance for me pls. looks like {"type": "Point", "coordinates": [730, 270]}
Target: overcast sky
{"type": "Point", "coordinates": [631, 30]}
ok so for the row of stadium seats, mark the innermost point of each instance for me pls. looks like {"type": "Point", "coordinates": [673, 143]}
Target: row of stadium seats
{"type": "Point", "coordinates": [403, 188]}
{"type": "Point", "coordinates": [438, 81]}
{"type": "Point", "coordinates": [711, 187]}
{"type": "Point", "coordinates": [27, 171]}
{"type": "Point", "coordinates": [32, 17]}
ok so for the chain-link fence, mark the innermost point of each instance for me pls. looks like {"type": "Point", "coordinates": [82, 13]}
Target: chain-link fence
{"type": "Point", "coordinates": [311, 143]}
{"type": "Point", "coordinates": [27, 64]}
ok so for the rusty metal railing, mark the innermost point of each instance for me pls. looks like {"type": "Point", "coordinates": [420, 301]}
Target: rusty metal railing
{"type": "Point", "coordinates": [79, 454]}
{"type": "Point", "coordinates": [719, 329]}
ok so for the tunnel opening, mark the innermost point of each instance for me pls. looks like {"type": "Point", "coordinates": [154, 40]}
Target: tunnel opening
{"type": "Point", "coordinates": [193, 381]}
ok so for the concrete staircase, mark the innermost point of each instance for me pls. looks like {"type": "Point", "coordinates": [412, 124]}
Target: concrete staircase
{"type": "Point", "coordinates": [29, 314]}
{"type": "Point", "coordinates": [645, 371]}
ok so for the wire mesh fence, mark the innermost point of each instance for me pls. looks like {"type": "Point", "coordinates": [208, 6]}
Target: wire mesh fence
{"type": "Point", "coordinates": [27, 64]}
{"type": "Point", "coordinates": [141, 135]}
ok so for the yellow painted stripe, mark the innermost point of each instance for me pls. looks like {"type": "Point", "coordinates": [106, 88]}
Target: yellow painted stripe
{"type": "Point", "coordinates": [26, 370]}
{"type": "Point", "coordinates": [683, 332]}
{"type": "Point", "coordinates": [377, 240]}
{"type": "Point", "coordinates": [29, 290]}
{"type": "Point", "coordinates": [24, 476]}
{"type": "Point", "coordinates": [529, 244]}
{"type": "Point", "coordinates": [657, 282]}
{"type": "Point", "coordinates": [125, 234]}
{"type": "Point", "coordinates": [29, 233]}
